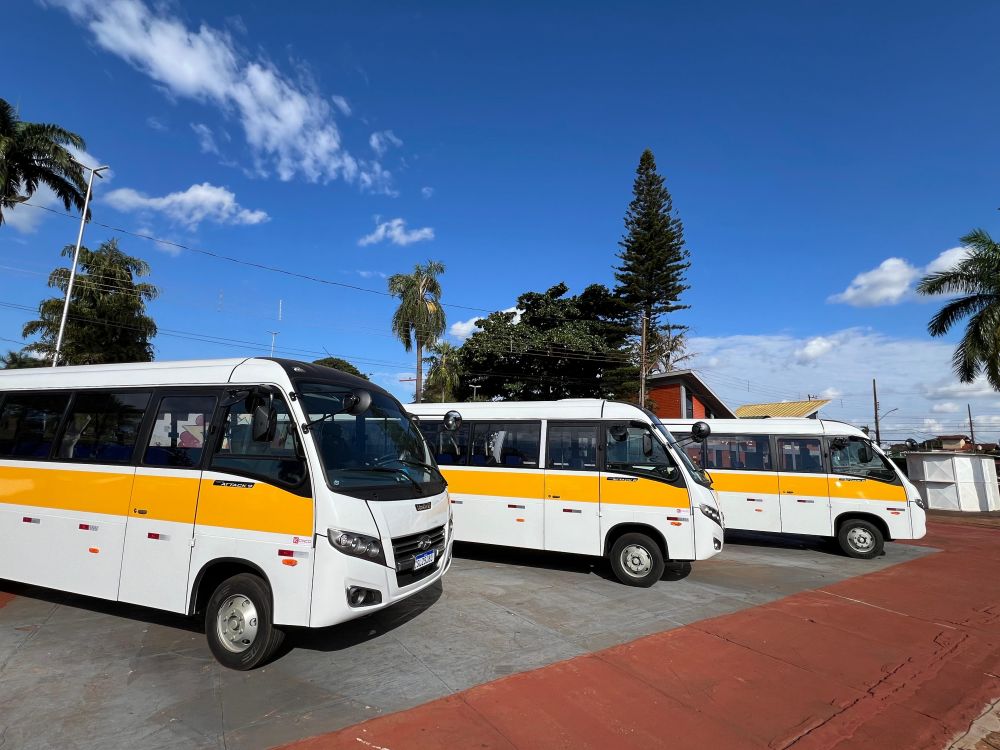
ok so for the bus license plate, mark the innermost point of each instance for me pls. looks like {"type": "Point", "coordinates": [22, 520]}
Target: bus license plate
{"type": "Point", "coordinates": [424, 559]}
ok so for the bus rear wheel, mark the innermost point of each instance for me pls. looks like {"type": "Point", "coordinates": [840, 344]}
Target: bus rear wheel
{"type": "Point", "coordinates": [860, 539]}
{"type": "Point", "coordinates": [637, 560]}
{"type": "Point", "coordinates": [239, 623]}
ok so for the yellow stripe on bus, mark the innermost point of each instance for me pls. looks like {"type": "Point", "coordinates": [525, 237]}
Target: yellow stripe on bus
{"type": "Point", "coordinates": [61, 489]}
{"type": "Point", "coordinates": [836, 486]}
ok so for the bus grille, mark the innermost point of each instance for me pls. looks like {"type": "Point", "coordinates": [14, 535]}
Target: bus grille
{"type": "Point", "coordinates": [405, 547]}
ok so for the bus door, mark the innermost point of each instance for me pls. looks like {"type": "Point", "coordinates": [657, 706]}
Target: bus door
{"type": "Point", "coordinates": [160, 525]}
{"type": "Point", "coordinates": [803, 486]}
{"type": "Point", "coordinates": [863, 480]}
{"type": "Point", "coordinates": [744, 476]}
{"type": "Point", "coordinates": [641, 483]}
{"type": "Point", "coordinates": [572, 488]}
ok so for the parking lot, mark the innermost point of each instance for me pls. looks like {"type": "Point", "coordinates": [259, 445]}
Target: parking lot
{"type": "Point", "coordinates": [83, 673]}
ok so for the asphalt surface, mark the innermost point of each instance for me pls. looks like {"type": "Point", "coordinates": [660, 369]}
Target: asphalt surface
{"type": "Point", "coordinates": [83, 673]}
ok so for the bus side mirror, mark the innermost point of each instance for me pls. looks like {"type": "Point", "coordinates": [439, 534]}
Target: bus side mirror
{"type": "Point", "coordinates": [357, 402]}
{"type": "Point", "coordinates": [864, 454]}
{"type": "Point", "coordinates": [647, 444]}
{"type": "Point", "coordinates": [265, 423]}
{"type": "Point", "coordinates": [911, 444]}
{"type": "Point", "coordinates": [452, 420]}
{"type": "Point", "coordinates": [700, 431]}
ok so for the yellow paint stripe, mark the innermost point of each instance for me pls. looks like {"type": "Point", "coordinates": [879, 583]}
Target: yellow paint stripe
{"type": "Point", "coordinates": [65, 489]}
{"type": "Point", "coordinates": [262, 507]}
{"type": "Point", "coordinates": [496, 483]}
{"type": "Point", "coordinates": [762, 482]}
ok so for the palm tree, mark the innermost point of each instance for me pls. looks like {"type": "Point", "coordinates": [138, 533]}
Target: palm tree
{"type": "Point", "coordinates": [977, 279]}
{"type": "Point", "coordinates": [419, 320]}
{"type": "Point", "coordinates": [107, 320]}
{"type": "Point", "coordinates": [19, 360]}
{"type": "Point", "coordinates": [33, 154]}
{"type": "Point", "coordinates": [444, 373]}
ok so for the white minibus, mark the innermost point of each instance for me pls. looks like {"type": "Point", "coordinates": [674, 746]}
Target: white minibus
{"type": "Point", "coordinates": [808, 476]}
{"type": "Point", "coordinates": [586, 476]}
{"type": "Point", "coordinates": [259, 492]}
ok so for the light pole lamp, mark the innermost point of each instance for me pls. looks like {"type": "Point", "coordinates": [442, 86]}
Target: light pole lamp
{"type": "Point", "coordinates": [76, 257]}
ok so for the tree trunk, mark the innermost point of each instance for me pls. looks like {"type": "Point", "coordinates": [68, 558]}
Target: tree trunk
{"type": "Point", "coordinates": [420, 374]}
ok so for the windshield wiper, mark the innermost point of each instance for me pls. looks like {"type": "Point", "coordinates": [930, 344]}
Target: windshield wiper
{"type": "Point", "coordinates": [421, 465]}
{"type": "Point", "coordinates": [391, 470]}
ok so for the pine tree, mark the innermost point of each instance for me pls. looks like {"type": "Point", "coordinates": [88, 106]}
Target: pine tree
{"type": "Point", "coordinates": [653, 257]}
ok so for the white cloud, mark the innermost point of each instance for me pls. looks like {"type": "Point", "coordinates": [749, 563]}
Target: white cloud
{"type": "Point", "coordinates": [206, 139]}
{"type": "Point", "coordinates": [342, 104]}
{"type": "Point", "coordinates": [204, 202]}
{"type": "Point", "coordinates": [892, 281]}
{"type": "Point", "coordinates": [465, 328]}
{"type": "Point", "coordinates": [168, 248]}
{"type": "Point", "coordinates": [831, 393]}
{"type": "Point", "coordinates": [395, 231]}
{"type": "Point", "coordinates": [946, 407]}
{"type": "Point", "coordinates": [933, 427]}
{"type": "Point", "coordinates": [947, 260]}
{"type": "Point", "coordinates": [376, 179]}
{"type": "Point", "coordinates": [886, 285]}
{"type": "Point", "coordinates": [814, 349]}
{"type": "Point", "coordinates": [976, 389]}
{"type": "Point", "coordinates": [156, 124]}
{"type": "Point", "coordinates": [382, 140]}
{"type": "Point", "coordinates": [427, 192]}
{"type": "Point", "coordinates": [371, 274]}
{"type": "Point", "coordinates": [287, 123]}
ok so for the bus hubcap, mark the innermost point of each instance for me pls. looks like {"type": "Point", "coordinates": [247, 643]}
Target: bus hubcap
{"type": "Point", "coordinates": [237, 623]}
{"type": "Point", "coordinates": [636, 560]}
{"type": "Point", "coordinates": [861, 540]}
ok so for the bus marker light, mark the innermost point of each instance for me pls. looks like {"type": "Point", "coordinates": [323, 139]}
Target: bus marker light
{"type": "Point", "coordinates": [291, 562]}
{"type": "Point", "coordinates": [519, 520]}
{"type": "Point", "coordinates": [94, 550]}
{"type": "Point", "coordinates": [572, 510]}
{"type": "Point", "coordinates": [155, 535]}
{"type": "Point", "coordinates": [675, 523]}
{"type": "Point", "coordinates": [29, 519]}
{"type": "Point", "coordinates": [518, 507]}
{"type": "Point", "coordinates": [285, 553]}
{"type": "Point", "coordinates": [87, 527]}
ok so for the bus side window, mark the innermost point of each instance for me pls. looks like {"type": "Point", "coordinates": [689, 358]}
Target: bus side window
{"type": "Point", "coordinates": [277, 461]}
{"type": "Point", "coordinates": [103, 427]}
{"type": "Point", "coordinates": [800, 454]}
{"type": "Point", "coordinates": [29, 422]}
{"type": "Point", "coordinates": [178, 436]}
{"type": "Point", "coordinates": [846, 459]}
{"type": "Point", "coordinates": [508, 444]}
{"type": "Point", "coordinates": [741, 452]}
{"type": "Point", "coordinates": [450, 447]}
{"type": "Point", "coordinates": [572, 447]}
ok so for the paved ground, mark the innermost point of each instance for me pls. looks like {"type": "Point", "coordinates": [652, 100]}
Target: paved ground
{"type": "Point", "coordinates": [908, 657]}
{"type": "Point", "coordinates": [81, 673]}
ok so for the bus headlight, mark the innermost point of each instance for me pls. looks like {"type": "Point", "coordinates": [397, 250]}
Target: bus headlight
{"type": "Point", "coordinates": [357, 545]}
{"type": "Point", "coordinates": [919, 502]}
{"type": "Point", "coordinates": [712, 513]}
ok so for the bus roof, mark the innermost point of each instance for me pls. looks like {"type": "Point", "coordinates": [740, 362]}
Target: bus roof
{"type": "Point", "coordinates": [183, 372]}
{"type": "Point", "coordinates": [568, 409]}
{"type": "Point", "coordinates": [781, 426]}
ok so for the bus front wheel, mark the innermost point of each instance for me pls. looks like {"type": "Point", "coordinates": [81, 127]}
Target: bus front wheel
{"type": "Point", "coordinates": [239, 623]}
{"type": "Point", "coordinates": [860, 539]}
{"type": "Point", "coordinates": [637, 560]}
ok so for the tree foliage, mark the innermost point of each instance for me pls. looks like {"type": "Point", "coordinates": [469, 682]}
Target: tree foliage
{"type": "Point", "coordinates": [20, 360]}
{"type": "Point", "coordinates": [341, 364]}
{"type": "Point", "coordinates": [976, 281]}
{"type": "Point", "coordinates": [33, 154]}
{"type": "Point", "coordinates": [443, 373]}
{"type": "Point", "coordinates": [555, 346]}
{"type": "Point", "coordinates": [107, 320]}
{"type": "Point", "coordinates": [419, 320]}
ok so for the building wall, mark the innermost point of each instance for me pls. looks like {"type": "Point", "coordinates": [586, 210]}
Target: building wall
{"type": "Point", "coordinates": [665, 401]}
{"type": "Point", "coordinates": [698, 407]}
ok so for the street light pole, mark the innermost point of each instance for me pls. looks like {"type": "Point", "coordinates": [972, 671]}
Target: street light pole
{"type": "Point", "coordinates": [76, 257]}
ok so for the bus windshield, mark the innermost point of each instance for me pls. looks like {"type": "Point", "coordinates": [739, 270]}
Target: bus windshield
{"type": "Point", "coordinates": [699, 474]}
{"type": "Point", "coordinates": [381, 448]}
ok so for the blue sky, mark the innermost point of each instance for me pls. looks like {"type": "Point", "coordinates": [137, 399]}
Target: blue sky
{"type": "Point", "coordinates": [821, 158]}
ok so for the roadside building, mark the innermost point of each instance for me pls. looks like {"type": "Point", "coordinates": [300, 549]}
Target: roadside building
{"type": "Point", "coordinates": [681, 394]}
{"type": "Point", "coordinates": [807, 409]}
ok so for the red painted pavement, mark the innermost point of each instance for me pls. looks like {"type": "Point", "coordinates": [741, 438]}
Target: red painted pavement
{"type": "Point", "coordinates": [4, 598]}
{"type": "Point", "coordinates": [904, 658]}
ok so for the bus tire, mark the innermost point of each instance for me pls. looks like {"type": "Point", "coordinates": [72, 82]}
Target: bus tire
{"type": "Point", "coordinates": [860, 539]}
{"type": "Point", "coordinates": [637, 560]}
{"type": "Point", "coordinates": [239, 622]}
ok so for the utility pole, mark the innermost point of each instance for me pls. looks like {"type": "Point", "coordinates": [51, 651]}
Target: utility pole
{"type": "Point", "coordinates": [878, 435]}
{"type": "Point", "coordinates": [642, 365]}
{"type": "Point", "coordinates": [76, 257]}
{"type": "Point", "coordinates": [972, 430]}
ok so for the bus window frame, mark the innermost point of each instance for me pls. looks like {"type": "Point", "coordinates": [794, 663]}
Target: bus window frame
{"type": "Point", "coordinates": [824, 454]}
{"type": "Point", "coordinates": [595, 424]}
{"type": "Point", "coordinates": [305, 486]}
{"type": "Point", "coordinates": [742, 437]}
{"type": "Point", "coordinates": [140, 432]}
{"type": "Point", "coordinates": [828, 449]}
{"type": "Point", "coordinates": [180, 392]}
{"type": "Point", "coordinates": [602, 454]}
{"type": "Point", "coordinates": [542, 443]}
